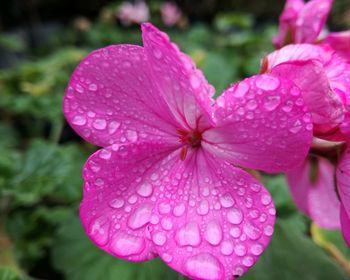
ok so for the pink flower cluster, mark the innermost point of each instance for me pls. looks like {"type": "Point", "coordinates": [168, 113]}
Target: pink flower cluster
{"type": "Point", "coordinates": [320, 67]}
{"type": "Point", "coordinates": [169, 179]}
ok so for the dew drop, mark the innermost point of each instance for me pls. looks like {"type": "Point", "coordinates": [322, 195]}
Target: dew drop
{"type": "Point", "coordinates": [227, 200]}
{"type": "Point", "coordinates": [166, 223]}
{"type": "Point", "coordinates": [167, 257]}
{"type": "Point", "coordinates": [140, 217]}
{"type": "Point", "coordinates": [241, 89]}
{"type": "Point", "coordinates": [240, 250]}
{"type": "Point", "coordinates": [266, 199]}
{"type": "Point", "coordinates": [195, 81]}
{"type": "Point", "coordinates": [79, 120]}
{"type": "Point", "coordinates": [92, 87]}
{"type": "Point", "coordinates": [164, 207]}
{"type": "Point", "coordinates": [267, 82]}
{"type": "Point", "coordinates": [179, 209]}
{"type": "Point", "coordinates": [296, 127]}
{"type": "Point", "coordinates": [131, 135]}
{"type": "Point", "coordinates": [79, 88]}
{"type": "Point", "coordinates": [113, 126]}
{"type": "Point", "coordinates": [235, 232]}
{"type": "Point", "coordinates": [251, 231]}
{"type": "Point", "coordinates": [105, 154]}
{"type": "Point", "coordinates": [145, 189]}
{"type": "Point", "coordinates": [188, 235]}
{"type": "Point", "coordinates": [248, 261]}
{"type": "Point", "coordinates": [117, 203]}
{"type": "Point", "coordinates": [257, 249]}
{"type": "Point", "coordinates": [203, 208]}
{"type": "Point", "coordinates": [203, 266]}
{"type": "Point", "coordinates": [271, 102]}
{"type": "Point", "coordinates": [213, 233]}
{"type": "Point", "coordinates": [99, 124]}
{"type": "Point", "coordinates": [268, 230]}
{"type": "Point", "coordinates": [227, 247]}
{"type": "Point", "coordinates": [99, 230]}
{"type": "Point", "coordinates": [125, 244]}
{"type": "Point", "coordinates": [159, 238]}
{"type": "Point", "coordinates": [157, 53]}
{"type": "Point", "coordinates": [235, 216]}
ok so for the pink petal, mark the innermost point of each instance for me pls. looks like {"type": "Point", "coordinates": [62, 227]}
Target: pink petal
{"type": "Point", "coordinates": [318, 200]}
{"type": "Point", "coordinates": [343, 180]}
{"type": "Point", "coordinates": [184, 87]}
{"type": "Point", "coordinates": [215, 219]}
{"type": "Point", "coordinates": [119, 195]}
{"type": "Point", "coordinates": [311, 20]}
{"type": "Point", "coordinates": [261, 123]}
{"type": "Point", "coordinates": [111, 98]}
{"type": "Point", "coordinates": [345, 224]}
{"type": "Point", "coordinates": [287, 23]}
{"type": "Point", "coordinates": [339, 41]}
{"type": "Point", "coordinates": [326, 107]}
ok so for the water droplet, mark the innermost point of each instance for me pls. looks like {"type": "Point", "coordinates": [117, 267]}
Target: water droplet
{"type": "Point", "coordinates": [235, 216]}
{"type": "Point", "coordinates": [99, 230]}
{"type": "Point", "coordinates": [93, 87]}
{"type": "Point", "coordinates": [145, 189]}
{"type": "Point", "coordinates": [296, 127]}
{"type": "Point", "coordinates": [213, 233]}
{"type": "Point", "coordinates": [79, 120]}
{"type": "Point", "coordinates": [113, 126]}
{"type": "Point", "coordinates": [271, 102]}
{"type": "Point", "coordinates": [188, 235]}
{"type": "Point", "coordinates": [166, 223]}
{"type": "Point", "coordinates": [167, 257]}
{"type": "Point", "coordinates": [235, 232]}
{"type": "Point", "coordinates": [255, 187]}
{"type": "Point", "coordinates": [203, 208]}
{"type": "Point", "coordinates": [79, 88]}
{"type": "Point", "coordinates": [117, 203]}
{"type": "Point", "coordinates": [257, 249]}
{"type": "Point", "coordinates": [132, 199]}
{"type": "Point", "coordinates": [179, 209]}
{"type": "Point", "coordinates": [252, 104]}
{"type": "Point", "coordinates": [164, 207]}
{"type": "Point", "coordinates": [251, 231]}
{"type": "Point", "coordinates": [266, 199]}
{"type": "Point", "coordinates": [227, 247]}
{"type": "Point", "coordinates": [131, 135]}
{"type": "Point", "coordinates": [240, 250]}
{"type": "Point", "coordinates": [125, 244]}
{"type": "Point", "coordinates": [105, 154]}
{"type": "Point", "coordinates": [248, 261]}
{"type": "Point", "coordinates": [99, 124]}
{"type": "Point", "coordinates": [159, 238]}
{"type": "Point", "coordinates": [241, 89]}
{"type": "Point", "coordinates": [268, 230]}
{"type": "Point", "coordinates": [140, 217]}
{"type": "Point", "coordinates": [267, 82]}
{"type": "Point", "coordinates": [227, 200]}
{"type": "Point", "coordinates": [203, 266]}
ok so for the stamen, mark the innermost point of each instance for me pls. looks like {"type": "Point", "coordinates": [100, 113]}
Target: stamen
{"type": "Point", "coordinates": [183, 153]}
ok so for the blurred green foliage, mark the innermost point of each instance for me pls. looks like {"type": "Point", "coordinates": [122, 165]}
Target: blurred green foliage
{"type": "Point", "coordinates": [41, 158]}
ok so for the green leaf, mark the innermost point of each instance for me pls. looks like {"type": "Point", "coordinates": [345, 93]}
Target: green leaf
{"type": "Point", "coordinates": [77, 258]}
{"type": "Point", "coordinates": [291, 255]}
{"type": "Point", "coordinates": [7, 273]}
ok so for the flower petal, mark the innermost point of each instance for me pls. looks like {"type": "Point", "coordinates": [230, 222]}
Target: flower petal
{"type": "Point", "coordinates": [261, 123]}
{"type": "Point", "coordinates": [215, 219]}
{"type": "Point", "coordinates": [343, 180]}
{"type": "Point", "coordinates": [184, 87]}
{"type": "Point", "coordinates": [313, 191]}
{"type": "Point", "coordinates": [311, 20]}
{"type": "Point", "coordinates": [345, 224]}
{"type": "Point", "coordinates": [340, 42]}
{"type": "Point", "coordinates": [111, 99]}
{"type": "Point", "coordinates": [119, 195]}
{"type": "Point", "coordinates": [325, 106]}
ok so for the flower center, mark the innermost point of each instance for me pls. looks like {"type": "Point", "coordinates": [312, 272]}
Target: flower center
{"type": "Point", "coordinates": [190, 138]}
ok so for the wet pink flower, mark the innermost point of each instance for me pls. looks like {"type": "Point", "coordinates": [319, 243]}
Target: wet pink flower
{"type": "Point", "coordinates": [129, 13]}
{"type": "Point", "coordinates": [340, 42]}
{"type": "Point", "coordinates": [324, 80]}
{"type": "Point", "coordinates": [170, 13]}
{"type": "Point", "coordinates": [302, 22]}
{"type": "Point", "coordinates": [166, 182]}
{"type": "Point", "coordinates": [320, 188]}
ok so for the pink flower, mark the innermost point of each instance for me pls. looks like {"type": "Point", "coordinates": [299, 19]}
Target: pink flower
{"type": "Point", "coordinates": [129, 13]}
{"type": "Point", "coordinates": [166, 182]}
{"type": "Point", "coordinates": [324, 80]}
{"type": "Point", "coordinates": [302, 22]}
{"type": "Point", "coordinates": [340, 42]}
{"type": "Point", "coordinates": [315, 191]}
{"type": "Point", "coordinates": [170, 13]}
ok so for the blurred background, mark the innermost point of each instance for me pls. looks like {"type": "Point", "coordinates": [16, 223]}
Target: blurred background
{"type": "Point", "coordinates": [41, 41]}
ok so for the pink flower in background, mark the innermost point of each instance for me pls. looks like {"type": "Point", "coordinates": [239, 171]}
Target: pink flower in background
{"type": "Point", "coordinates": [321, 189]}
{"type": "Point", "coordinates": [340, 42]}
{"type": "Point", "coordinates": [166, 182]}
{"type": "Point", "coordinates": [129, 13]}
{"type": "Point", "coordinates": [170, 13]}
{"type": "Point", "coordinates": [301, 22]}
